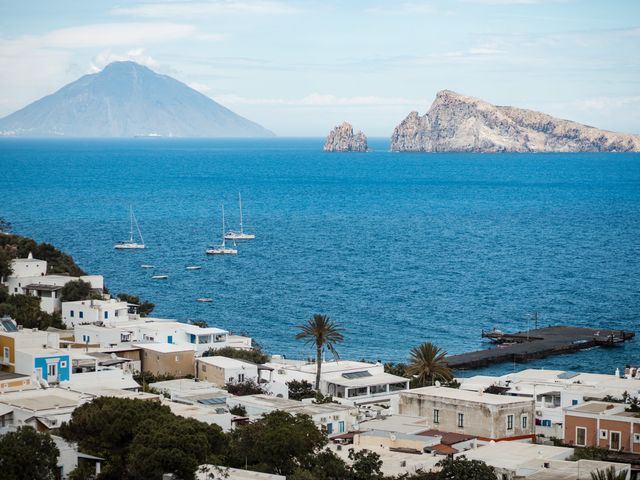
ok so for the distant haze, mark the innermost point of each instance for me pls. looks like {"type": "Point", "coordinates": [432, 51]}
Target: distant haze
{"type": "Point", "coordinates": [126, 100]}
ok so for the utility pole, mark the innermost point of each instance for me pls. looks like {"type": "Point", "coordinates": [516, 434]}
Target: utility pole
{"type": "Point", "coordinates": [535, 319]}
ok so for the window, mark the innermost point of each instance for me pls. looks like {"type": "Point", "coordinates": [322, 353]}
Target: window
{"type": "Point", "coordinates": [52, 368]}
{"type": "Point", "coordinates": [461, 420]}
{"type": "Point", "coordinates": [241, 377]}
{"type": "Point", "coordinates": [614, 441]}
{"type": "Point", "coordinates": [106, 315]}
{"type": "Point", "coordinates": [436, 416]}
{"type": "Point", "coordinates": [581, 436]}
{"type": "Point", "coordinates": [604, 434]}
{"type": "Point", "coordinates": [5, 353]}
{"type": "Point", "coordinates": [636, 438]}
{"type": "Point", "coordinates": [81, 314]}
{"type": "Point", "coordinates": [63, 364]}
{"type": "Point", "coordinates": [525, 422]}
{"type": "Point", "coordinates": [509, 422]}
{"type": "Point", "coordinates": [71, 313]}
{"type": "Point", "coordinates": [574, 402]}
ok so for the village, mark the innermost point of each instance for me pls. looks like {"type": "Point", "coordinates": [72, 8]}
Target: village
{"type": "Point", "coordinates": [531, 424]}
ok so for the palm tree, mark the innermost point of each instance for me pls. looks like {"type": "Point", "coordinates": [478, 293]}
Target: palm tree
{"type": "Point", "coordinates": [322, 332]}
{"type": "Point", "coordinates": [428, 364]}
{"type": "Point", "coordinates": [609, 474]}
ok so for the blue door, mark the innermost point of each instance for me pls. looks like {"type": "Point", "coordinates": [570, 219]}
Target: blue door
{"type": "Point", "coordinates": [170, 339]}
{"type": "Point", "coordinates": [329, 428]}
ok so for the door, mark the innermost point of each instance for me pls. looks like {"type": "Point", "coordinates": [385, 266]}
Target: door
{"type": "Point", "coordinates": [614, 441]}
{"type": "Point", "coordinates": [52, 372]}
{"type": "Point", "coordinates": [170, 339]}
{"type": "Point", "coordinates": [341, 426]}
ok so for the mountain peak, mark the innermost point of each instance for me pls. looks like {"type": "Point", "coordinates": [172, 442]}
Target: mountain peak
{"type": "Point", "coordinates": [458, 123]}
{"type": "Point", "coordinates": [127, 99]}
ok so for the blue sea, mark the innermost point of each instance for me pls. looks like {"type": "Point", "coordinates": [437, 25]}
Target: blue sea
{"type": "Point", "coordinates": [399, 248]}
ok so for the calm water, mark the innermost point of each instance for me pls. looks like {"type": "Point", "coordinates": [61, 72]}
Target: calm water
{"type": "Point", "coordinates": [401, 248]}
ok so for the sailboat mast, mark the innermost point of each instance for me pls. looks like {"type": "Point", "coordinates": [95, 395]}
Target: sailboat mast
{"type": "Point", "coordinates": [138, 228]}
{"type": "Point", "coordinates": [223, 242]}
{"type": "Point", "coordinates": [130, 224]}
{"type": "Point", "coordinates": [240, 201]}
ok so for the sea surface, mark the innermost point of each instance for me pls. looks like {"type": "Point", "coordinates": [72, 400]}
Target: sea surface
{"type": "Point", "coordinates": [399, 248]}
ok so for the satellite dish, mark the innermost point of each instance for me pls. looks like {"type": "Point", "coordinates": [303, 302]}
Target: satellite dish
{"type": "Point", "coordinates": [438, 383]}
{"type": "Point", "coordinates": [393, 437]}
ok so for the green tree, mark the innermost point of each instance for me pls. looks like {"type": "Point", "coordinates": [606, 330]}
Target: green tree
{"type": "Point", "coordinates": [173, 444]}
{"type": "Point", "coordinates": [590, 453]}
{"type": "Point", "coordinates": [255, 355]}
{"type": "Point", "coordinates": [609, 474]}
{"type": "Point", "coordinates": [248, 387]}
{"type": "Point", "coordinates": [239, 410]}
{"type": "Point", "coordinates": [300, 389]}
{"type": "Point", "coordinates": [365, 465]}
{"type": "Point", "coordinates": [322, 332]}
{"type": "Point", "coordinates": [428, 364]}
{"type": "Point", "coordinates": [461, 468]}
{"type": "Point", "coordinates": [5, 264]}
{"type": "Point", "coordinates": [399, 369]}
{"type": "Point", "coordinates": [76, 290]}
{"type": "Point", "coordinates": [26, 454]}
{"type": "Point", "coordinates": [144, 309]}
{"type": "Point", "coordinates": [25, 310]}
{"type": "Point", "coordinates": [276, 443]}
{"type": "Point", "coordinates": [199, 323]}
{"type": "Point", "coordinates": [118, 429]}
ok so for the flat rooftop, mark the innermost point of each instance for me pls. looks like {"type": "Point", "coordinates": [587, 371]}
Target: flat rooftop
{"type": "Point", "coordinates": [166, 347]}
{"type": "Point", "coordinates": [39, 400]}
{"type": "Point", "coordinates": [465, 395]}
{"type": "Point", "coordinates": [225, 362]}
{"type": "Point", "coordinates": [511, 455]}
{"type": "Point", "coordinates": [597, 407]}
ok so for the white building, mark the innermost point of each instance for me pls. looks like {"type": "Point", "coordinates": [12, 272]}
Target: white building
{"type": "Point", "coordinates": [349, 382]}
{"type": "Point", "coordinates": [100, 312]}
{"type": "Point", "coordinates": [495, 417]}
{"type": "Point", "coordinates": [130, 328]}
{"type": "Point", "coordinates": [555, 390]}
{"type": "Point", "coordinates": [222, 370]}
{"type": "Point", "coordinates": [29, 277]}
{"type": "Point", "coordinates": [516, 460]}
{"type": "Point", "coordinates": [334, 418]}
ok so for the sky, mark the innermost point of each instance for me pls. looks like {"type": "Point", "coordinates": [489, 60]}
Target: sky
{"type": "Point", "coordinates": [301, 67]}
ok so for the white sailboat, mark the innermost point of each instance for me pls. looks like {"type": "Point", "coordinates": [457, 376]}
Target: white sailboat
{"type": "Point", "coordinates": [231, 235]}
{"type": "Point", "coordinates": [130, 244]}
{"type": "Point", "coordinates": [222, 249]}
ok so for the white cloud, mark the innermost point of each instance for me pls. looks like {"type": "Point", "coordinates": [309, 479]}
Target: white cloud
{"type": "Point", "coordinates": [320, 100]}
{"type": "Point", "coordinates": [198, 9]}
{"type": "Point", "coordinates": [201, 87]}
{"type": "Point", "coordinates": [115, 34]}
{"type": "Point", "coordinates": [137, 55]}
{"type": "Point", "coordinates": [415, 8]}
{"type": "Point", "coordinates": [607, 103]}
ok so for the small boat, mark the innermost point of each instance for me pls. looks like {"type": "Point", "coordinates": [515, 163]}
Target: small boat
{"type": "Point", "coordinates": [231, 235]}
{"type": "Point", "coordinates": [222, 249]}
{"type": "Point", "coordinates": [160, 277]}
{"type": "Point", "coordinates": [204, 300]}
{"type": "Point", "coordinates": [130, 244]}
{"type": "Point", "coordinates": [194, 267]}
{"type": "Point", "coordinates": [146, 266]}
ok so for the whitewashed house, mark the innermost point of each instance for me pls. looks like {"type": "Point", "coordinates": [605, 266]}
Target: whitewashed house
{"type": "Point", "coordinates": [349, 382]}
{"type": "Point", "coordinates": [29, 277]}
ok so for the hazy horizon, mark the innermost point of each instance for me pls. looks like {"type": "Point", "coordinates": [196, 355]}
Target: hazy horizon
{"type": "Point", "coordinates": [300, 68]}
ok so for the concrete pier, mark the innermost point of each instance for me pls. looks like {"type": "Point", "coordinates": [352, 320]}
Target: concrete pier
{"type": "Point", "coordinates": [537, 343]}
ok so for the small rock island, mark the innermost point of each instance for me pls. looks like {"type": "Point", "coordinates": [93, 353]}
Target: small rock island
{"type": "Point", "coordinates": [342, 139]}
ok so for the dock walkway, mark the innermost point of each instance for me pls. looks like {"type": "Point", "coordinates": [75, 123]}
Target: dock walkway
{"type": "Point", "coordinates": [538, 343]}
